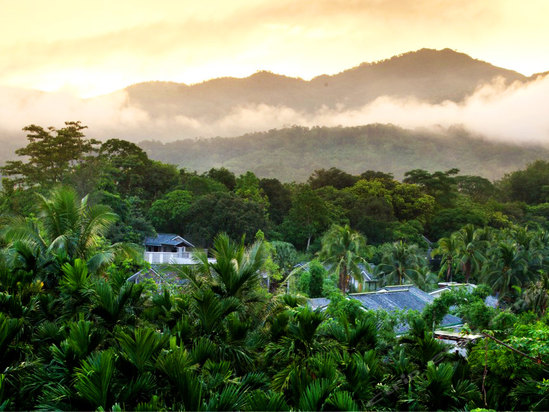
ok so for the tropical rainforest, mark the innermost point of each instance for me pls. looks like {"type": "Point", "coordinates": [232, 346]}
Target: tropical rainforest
{"type": "Point", "coordinates": [237, 333]}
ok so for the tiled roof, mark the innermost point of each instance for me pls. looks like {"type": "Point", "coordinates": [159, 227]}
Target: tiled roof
{"type": "Point", "coordinates": [167, 239]}
{"type": "Point", "coordinates": [391, 298]}
{"type": "Point", "coordinates": [491, 301]}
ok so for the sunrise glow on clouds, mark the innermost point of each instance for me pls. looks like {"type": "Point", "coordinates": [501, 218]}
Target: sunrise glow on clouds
{"type": "Point", "coordinates": [95, 47]}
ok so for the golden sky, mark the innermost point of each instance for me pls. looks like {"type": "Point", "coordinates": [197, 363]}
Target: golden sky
{"type": "Point", "coordinates": [94, 47]}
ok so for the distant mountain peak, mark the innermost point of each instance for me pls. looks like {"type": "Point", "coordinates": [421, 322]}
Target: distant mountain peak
{"type": "Point", "coordinates": [427, 75]}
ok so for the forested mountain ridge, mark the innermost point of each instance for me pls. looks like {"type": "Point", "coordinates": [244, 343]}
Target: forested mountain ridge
{"type": "Point", "coordinates": [432, 87]}
{"type": "Point", "coordinates": [294, 153]}
{"type": "Point", "coordinates": [428, 75]}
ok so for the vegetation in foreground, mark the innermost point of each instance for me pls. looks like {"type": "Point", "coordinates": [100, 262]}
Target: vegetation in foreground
{"type": "Point", "coordinates": [76, 335]}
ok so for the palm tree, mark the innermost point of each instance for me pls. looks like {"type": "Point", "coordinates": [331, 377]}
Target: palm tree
{"type": "Point", "coordinates": [507, 267]}
{"type": "Point", "coordinates": [536, 295]}
{"type": "Point", "coordinates": [237, 269]}
{"type": "Point", "coordinates": [448, 247]}
{"type": "Point", "coordinates": [68, 229]}
{"type": "Point", "coordinates": [470, 242]}
{"type": "Point", "coordinates": [399, 262]}
{"type": "Point", "coordinates": [538, 250]}
{"type": "Point", "coordinates": [345, 249]}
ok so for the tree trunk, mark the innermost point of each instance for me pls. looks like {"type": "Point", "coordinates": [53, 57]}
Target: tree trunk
{"type": "Point", "coordinates": [341, 277]}
{"type": "Point", "coordinates": [467, 270]}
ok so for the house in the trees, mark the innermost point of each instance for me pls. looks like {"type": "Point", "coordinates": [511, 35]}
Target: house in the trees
{"type": "Point", "coordinates": [169, 248]}
{"type": "Point", "coordinates": [394, 298]}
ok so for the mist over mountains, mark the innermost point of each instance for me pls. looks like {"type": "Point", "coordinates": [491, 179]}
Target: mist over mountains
{"type": "Point", "coordinates": [427, 75]}
{"type": "Point", "coordinates": [430, 92]}
{"type": "Point", "coordinates": [292, 154]}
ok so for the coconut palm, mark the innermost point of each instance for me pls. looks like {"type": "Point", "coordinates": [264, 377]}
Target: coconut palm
{"type": "Point", "coordinates": [506, 267]}
{"type": "Point", "coordinates": [346, 250]}
{"type": "Point", "coordinates": [536, 295]}
{"type": "Point", "coordinates": [470, 243]}
{"type": "Point", "coordinates": [448, 247]}
{"type": "Point", "coordinates": [401, 261]}
{"type": "Point", "coordinates": [538, 250]}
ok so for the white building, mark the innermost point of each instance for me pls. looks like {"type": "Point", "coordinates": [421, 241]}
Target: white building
{"type": "Point", "coordinates": [169, 248]}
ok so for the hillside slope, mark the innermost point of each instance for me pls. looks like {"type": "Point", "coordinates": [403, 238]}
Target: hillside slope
{"type": "Point", "coordinates": [294, 153]}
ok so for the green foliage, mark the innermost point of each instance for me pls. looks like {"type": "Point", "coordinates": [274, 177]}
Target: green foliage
{"type": "Point", "coordinates": [440, 185]}
{"type": "Point", "coordinates": [333, 177]}
{"type": "Point", "coordinates": [399, 262]}
{"type": "Point", "coordinates": [307, 218]}
{"type": "Point", "coordinates": [223, 212]}
{"type": "Point", "coordinates": [279, 198]}
{"type": "Point", "coordinates": [224, 176]}
{"type": "Point", "coordinates": [75, 335]}
{"type": "Point", "coordinates": [345, 250]}
{"type": "Point", "coordinates": [201, 185]}
{"type": "Point", "coordinates": [247, 187]}
{"type": "Point", "coordinates": [317, 273]}
{"type": "Point", "coordinates": [53, 154]}
{"type": "Point", "coordinates": [94, 379]}
{"type": "Point", "coordinates": [166, 213]}
{"type": "Point", "coordinates": [530, 185]}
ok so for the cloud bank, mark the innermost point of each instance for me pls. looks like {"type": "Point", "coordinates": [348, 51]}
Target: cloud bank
{"type": "Point", "coordinates": [96, 47]}
{"type": "Point", "coordinates": [515, 114]}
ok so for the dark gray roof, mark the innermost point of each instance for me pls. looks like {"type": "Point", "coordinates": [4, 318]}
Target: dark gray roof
{"type": "Point", "coordinates": [405, 297]}
{"type": "Point", "coordinates": [167, 239]}
{"type": "Point", "coordinates": [392, 298]}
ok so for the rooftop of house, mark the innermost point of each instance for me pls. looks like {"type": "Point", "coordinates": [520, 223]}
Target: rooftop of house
{"type": "Point", "coordinates": [392, 298]}
{"type": "Point", "coordinates": [491, 301]}
{"type": "Point", "coordinates": [160, 274]}
{"type": "Point", "coordinates": [167, 239]}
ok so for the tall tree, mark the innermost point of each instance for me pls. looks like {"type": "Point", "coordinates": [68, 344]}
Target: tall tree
{"type": "Point", "coordinates": [331, 177]}
{"type": "Point", "coordinates": [506, 267]}
{"type": "Point", "coordinates": [447, 247]}
{"type": "Point", "coordinates": [400, 261]}
{"type": "Point", "coordinates": [470, 245]}
{"type": "Point", "coordinates": [224, 176]}
{"type": "Point", "coordinates": [53, 154]}
{"type": "Point", "coordinates": [346, 250]}
{"type": "Point", "coordinates": [280, 199]}
{"type": "Point", "coordinates": [126, 165]}
{"type": "Point", "coordinates": [441, 185]}
{"type": "Point", "coordinates": [308, 217]}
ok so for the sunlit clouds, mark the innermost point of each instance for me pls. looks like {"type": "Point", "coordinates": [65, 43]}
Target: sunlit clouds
{"type": "Point", "coordinates": [94, 47]}
{"type": "Point", "coordinates": [516, 114]}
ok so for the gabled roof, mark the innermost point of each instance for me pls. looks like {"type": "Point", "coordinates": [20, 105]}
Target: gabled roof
{"type": "Point", "coordinates": [167, 239]}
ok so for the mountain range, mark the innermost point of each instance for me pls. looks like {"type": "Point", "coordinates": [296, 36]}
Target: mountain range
{"type": "Point", "coordinates": [428, 75]}
{"type": "Point", "coordinates": [427, 108]}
